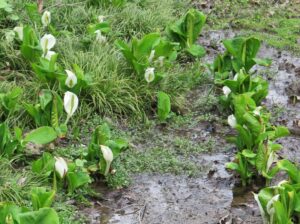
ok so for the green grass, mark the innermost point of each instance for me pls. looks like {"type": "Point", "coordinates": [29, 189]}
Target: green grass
{"type": "Point", "coordinates": [16, 183]}
{"type": "Point", "coordinates": [116, 91]}
{"type": "Point", "coordinates": [276, 24]}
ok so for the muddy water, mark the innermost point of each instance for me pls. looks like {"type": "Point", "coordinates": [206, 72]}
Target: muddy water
{"type": "Point", "coordinates": [212, 197]}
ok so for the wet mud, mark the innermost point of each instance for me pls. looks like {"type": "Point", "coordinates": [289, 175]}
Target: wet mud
{"type": "Point", "coordinates": [214, 195]}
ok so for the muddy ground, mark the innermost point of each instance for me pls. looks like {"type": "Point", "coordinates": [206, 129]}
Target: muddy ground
{"type": "Point", "coordinates": [211, 197]}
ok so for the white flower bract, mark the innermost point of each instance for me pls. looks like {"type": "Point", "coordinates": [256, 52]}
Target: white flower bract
{"type": "Point", "coordinates": [152, 54]}
{"type": "Point", "coordinates": [71, 80]}
{"type": "Point", "coordinates": [226, 91]}
{"type": "Point", "coordinates": [61, 166]}
{"type": "Point", "coordinates": [49, 55]}
{"type": "Point", "coordinates": [101, 18]}
{"type": "Point", "coordinates": [161, 61]}
{"type": "Point", "coordinates": [70, 103]}
{"type": "Point", "coordinates": [231, 121]}
{"type": "Point", "coordinates": [257, 110]}
{"type": "Point", "coordinates": [19, 31]}
{"type": "Point", "coordinates": [149, 75]}
{"type": "Point", "coordinates": [46, 18]}
{"type": "Point", "coordinates": [235, 78]}
{"type": "Point", "coordinates": [47, 42]}
{"type": "Point", "coordinates": [108, 156]}
{"type": "Point", "coordinates": [99, 37]}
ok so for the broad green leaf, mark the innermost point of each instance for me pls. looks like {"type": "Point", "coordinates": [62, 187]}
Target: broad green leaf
{"type": "Point", "coordinates": [264, 196]}
{"type": "Point", "coordinates": [252, 123]}
{"type": "Point", "coordinates": [42, 216]}
{"type": "Point", "coordinates": [235, 46]}
{"type": "Point", "coordinates": [196, 50]}
{"type": "Point", "coordinates": [261, 158]}
{"type": "Point", "coordinates": [9, 209]}
{"type": "Point", "coordinates": [33, 13]}
{"type": "Point", "coordinates": [291, 169]}
{"type": "Point", "coordinates": [193, 23]}
{"type": "Point", "coordinates": [76, 180]}
{"type": "Point", "coordinates": [41, 198]}
{"type": "Point", "coordinates": [244, 137]}
{"type": "Point", "coordinates": [163, 105]}
{"type": "Point", "coordinates": [45, 97]}
{"type": "Point", "coordinates": [42, 135]}
{"type": "Point", "coordinates": [44, 165]}
{"type": "Point", "coordinates": [281, 214]}
{"type": "Point", "coordinates": [146, 44]}
{"type": "Point", "coordinates": [263, 62]}
{"type": "Point", "coordinates": [248, 153]}
{"type": "Point", "coordinates": [281, 131]}
{"type": "Point", "coordinates": [232, 166]}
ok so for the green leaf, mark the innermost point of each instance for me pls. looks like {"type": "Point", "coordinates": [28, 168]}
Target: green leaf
{"type": "Point", "coordinates": [196, 50]}
{"type": "Point", "coordinates": [232, 166]}
{"type": "Point", "coordinates": [42, 135]}
{"type": "Point", "coordinates": [41, 198]}
{"type": "Point", "coordinates": [117, 146]}
{"type": "Point", "coordinates": [261, 159]}
{"type": "Point", "coordinates": [291, 169]}
{"type": "Point", "coordinates": [244, 137]}
{"type": "Point", "coordinates": [263, 62]}
{"type": "Point", "coordinates": [252, 123]}
{"type": "Point", "coordinates": [42, 216]}
{"type": "Point", "coordinates": [7, 209]}
{"type": "Point", "coordinates": [281, 131]}
{"type": "Point", "coordinates": [103, 27]}
{"type": "Point", "coordinates": [281, 214]}
{"type": "Point", "coordinates": [33, 13]}
{"type": "Point", "coordinates": [44, 165]}
{"type": "Point", "coordinates": [163, 105]}
{"type": "Point", "coordinates": [76, 180]}
{"type": "Point", "coordinates": [248, 153]}
{"type": "Point", "coordinates": [45, 97]}
{"type": "Point", "coordinates": [193, 24]}
{"type": "Point", "coordinates": [146, 44]}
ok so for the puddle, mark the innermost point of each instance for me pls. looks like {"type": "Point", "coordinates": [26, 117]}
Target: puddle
{"type": "Point", "coordinates": [173, 199]}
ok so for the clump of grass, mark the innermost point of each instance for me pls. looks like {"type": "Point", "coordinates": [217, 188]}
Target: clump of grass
{"type": "Point", "coordinates": [16, 184]}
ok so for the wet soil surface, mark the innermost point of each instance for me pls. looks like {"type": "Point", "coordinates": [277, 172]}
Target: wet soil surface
{"type": "Point", "coordinates": [211, 197]}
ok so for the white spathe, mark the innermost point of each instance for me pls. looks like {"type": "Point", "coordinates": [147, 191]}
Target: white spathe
{"type": "Point", "coordinates": [226, 91]}
{"type": "Point", "coordinates": [19, 31]}
{"type": "Point", "coordinates": [46, 18]}
{"type": "Point", "coordinates": [101, 18]}
{"type": "Point", "coordinates": [47, 42]}
{"type": "Point", "coordinates": [108, 156]}
{"type": "Point", "coordinates": [231, 120]}
{"type": "Point", "coordinates": [10, 36]}
{"type": "Point", "coordinates": [152, 54]}
{"type": "Point", "coordinates": [71, 80]}
{"type": "Point", "coordinates": [149, 75]}
{"type": "Point", "coordinates": [70, 103]}
{"type": "Point", "coordinates": [262, 211]}
{"type": "Point", "coordinates": [270, 207]}
{"type": "Point", "coordinates": [61, 166]}
{"type": "Point", "coordinates": [48, 55]}
{"type": "Point", "coordinates": [99, 37]}
{"type": "Point", "coordinates": [161, 61]}
{"type": "Point", "coordinates": [257, 110]}
{"type": "Point", "coordinates": [235, 78]}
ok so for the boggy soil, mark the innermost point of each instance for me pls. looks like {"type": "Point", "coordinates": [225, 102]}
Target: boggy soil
{"type": "Point", "coordinates": [213, 196]}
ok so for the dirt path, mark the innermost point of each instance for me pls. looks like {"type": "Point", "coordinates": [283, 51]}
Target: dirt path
{"type": "Point", "coordinates": [211, 197]}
